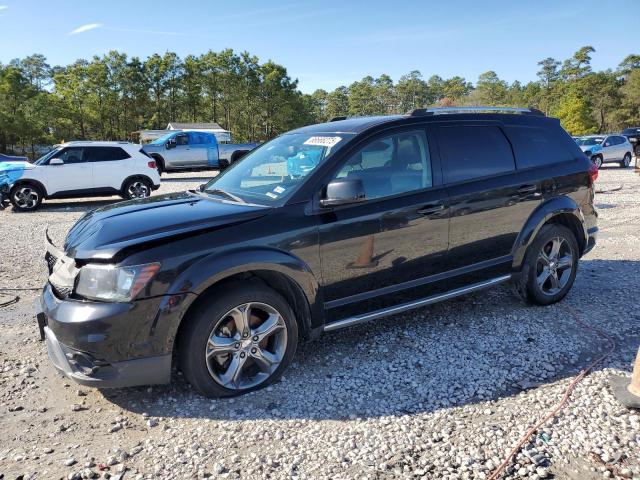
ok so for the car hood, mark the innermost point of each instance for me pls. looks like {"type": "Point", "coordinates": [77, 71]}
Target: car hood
{"type": "Point", "coordinates": [103, 232]}
{"type": "Point", "coordinates": [15, 165]}
{"type": "Point", "coordinates": [590, 148]}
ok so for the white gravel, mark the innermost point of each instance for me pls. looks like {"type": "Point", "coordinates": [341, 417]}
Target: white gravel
{"type": "Point", "coordinates": [443, 392]}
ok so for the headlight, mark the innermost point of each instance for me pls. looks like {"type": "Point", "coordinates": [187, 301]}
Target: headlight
{"type": "Point", "coordinates": [114, 284]}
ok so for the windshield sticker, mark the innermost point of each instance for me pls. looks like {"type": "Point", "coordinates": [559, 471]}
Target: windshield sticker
{"type": "Point", "coordinates": [278, 189]}
{"type": "Point", "coordinates": [271, 195]}
{"type": "Point", "coordinates": [323, 141]}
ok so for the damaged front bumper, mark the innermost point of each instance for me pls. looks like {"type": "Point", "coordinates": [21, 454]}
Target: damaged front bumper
{"type": "Point", "coordinates": [76, 319]}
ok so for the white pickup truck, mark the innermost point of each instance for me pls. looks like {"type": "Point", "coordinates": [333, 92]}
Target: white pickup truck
{"type": "Point", "coordinates": [186, 150]}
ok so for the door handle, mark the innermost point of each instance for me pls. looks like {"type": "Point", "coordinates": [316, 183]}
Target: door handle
{"type": "Point", "coordinates": [431, 209]}
{"type": "Point", "coordinates": [528, 190]}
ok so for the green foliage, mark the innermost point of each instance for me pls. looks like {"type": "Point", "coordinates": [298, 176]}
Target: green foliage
{"type": "Point", "coordinates": [112, 96]}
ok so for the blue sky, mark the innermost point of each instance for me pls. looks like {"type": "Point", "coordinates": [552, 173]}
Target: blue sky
{"type": "Point", "coordinates": [330, 43]}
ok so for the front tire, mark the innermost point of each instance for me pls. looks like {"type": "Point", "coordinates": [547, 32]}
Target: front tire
{"type": "Point", "coordinates": [239, 340]}
{"type": "Point", "coordinates": [626, 161]}
{"type": "Point", "coordinates": [136, 188]}
{"type": "Point", "coordinates": [26, 197]}
{"type": "Point", "coordinates": [549, 267]}
{"type": "Point", "coordinates": [597, 159]}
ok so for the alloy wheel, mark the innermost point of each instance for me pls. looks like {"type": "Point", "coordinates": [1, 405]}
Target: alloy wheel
{"type": "Point", "coordinates": [138, 189]}
{"type": "Point", "coordinates": [26, 197]}
{"type": "Point", "coordinates": [246, 346]}
{"type": "Point", "coordinates": [554, 266]}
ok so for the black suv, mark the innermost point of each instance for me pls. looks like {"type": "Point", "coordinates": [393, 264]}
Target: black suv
{"type": "Point", "coordinates": [321, 228]}
{"type": "Point", "coordinates": [633, 134]}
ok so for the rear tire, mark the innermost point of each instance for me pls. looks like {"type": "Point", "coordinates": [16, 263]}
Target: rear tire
{"type": "Point", "coordinates": [550, 266]}
{"type": "Point", "coordinates": [626, 161]}
{"type": "Point", "coordinates": [255, 332]}
{"type": "Point", "coordinates": [26, 197]}
{"type": "Point", "coordinates": [136, 188]}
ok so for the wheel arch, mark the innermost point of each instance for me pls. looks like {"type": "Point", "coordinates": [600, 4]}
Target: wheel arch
{"type": "Point", "coordinates": [284, 273]}
{"type": "Point", "coordinates": [158, 158]}
{"type": "Point", "coordinates": [133, 177]}
{"type": "Point", "coordinates": [23, 181]}
{"type": "Point", "coordinates": [560, 210]}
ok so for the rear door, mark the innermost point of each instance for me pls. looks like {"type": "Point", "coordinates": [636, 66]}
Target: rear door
{"type": "Point", "coordinates": [387, 250]}
{"type": "Point", "coordinates": [110, 167]}
{"type": "Point", "coordinates": [74, 176]}
{"type": "Point", "coordinates": [609, 150]}
{"type": "Point", "coordinates": [490, 200]}
{"type": "Point", "coordinates": [197, 149]}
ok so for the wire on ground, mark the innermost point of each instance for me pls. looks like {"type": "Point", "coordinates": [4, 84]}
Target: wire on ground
{"type": "Point", "coordinates": [612, 345]}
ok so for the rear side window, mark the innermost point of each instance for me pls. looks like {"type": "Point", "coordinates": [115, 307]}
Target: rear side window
{"type": "Point", "coordinates": [470, 152]}
{"type": "Point", "coordinates": [535, 146]}
{"type": "Point", "coordinates": [105, 154]}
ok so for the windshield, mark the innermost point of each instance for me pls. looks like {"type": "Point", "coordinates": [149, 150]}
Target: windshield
{"type": "Point", "coordinates": [271, 173]}
{"type": "Point", "coordinates": [163, 138]}
{"type": "Point", "coordinates": [45, 158]}
{"type": "Point", "coordinates": [588, 141]}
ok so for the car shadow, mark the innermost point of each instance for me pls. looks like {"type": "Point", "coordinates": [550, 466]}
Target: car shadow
{"type": "Point", "coordinates": [445, 355]}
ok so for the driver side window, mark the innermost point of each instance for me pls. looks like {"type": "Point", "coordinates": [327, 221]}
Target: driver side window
{"type": "Point", "coordinates": [391, 165]}
{"type": "Point", "coordinates": [71, 155]}
{"type": "Point", "coordinates": [182, 139]}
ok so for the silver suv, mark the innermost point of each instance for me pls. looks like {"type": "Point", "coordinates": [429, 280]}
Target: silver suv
{"type": "Point", "coordinates": [606, 149]}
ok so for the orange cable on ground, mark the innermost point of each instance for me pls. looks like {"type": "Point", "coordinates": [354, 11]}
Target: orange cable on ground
{"type": "Point", "coordinates": [612, 345]}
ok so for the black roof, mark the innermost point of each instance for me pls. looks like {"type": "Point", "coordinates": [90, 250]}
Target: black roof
{"type": "Point", "coordinates": [357, 125]}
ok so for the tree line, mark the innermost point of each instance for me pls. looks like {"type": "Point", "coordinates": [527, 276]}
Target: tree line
{"type": "Point", "coordinates": [112, 96]}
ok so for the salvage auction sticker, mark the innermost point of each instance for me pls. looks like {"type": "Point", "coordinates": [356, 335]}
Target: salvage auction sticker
{"type": "Point", "coordinates": [323, 141]}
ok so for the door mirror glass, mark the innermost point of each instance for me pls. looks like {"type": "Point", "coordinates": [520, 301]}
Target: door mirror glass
{"type": "Point", "coordinates": [171, 143]}
{"type": "Point", "coordinates": [607, 144]}
{"type": "Point", "coordinates": [56, 161]}
{"type": "Point", "coordinates": [343, 191]}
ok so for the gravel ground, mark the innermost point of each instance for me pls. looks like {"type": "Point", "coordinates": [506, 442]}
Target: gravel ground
{"type": "Point", "coordinates": [443, 392]}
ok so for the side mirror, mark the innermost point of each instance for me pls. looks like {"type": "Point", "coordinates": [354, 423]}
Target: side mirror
{"type": "Point", "coordinates": [343, 191]}
{"type": "Point", "coordinates": [201, 187]}
{"type": "Point", "coordinates": [56, 161]}
{"type": "Point", "coordinates": [607, 144]}
{"type": "Point", "coordinates": [171, 143]}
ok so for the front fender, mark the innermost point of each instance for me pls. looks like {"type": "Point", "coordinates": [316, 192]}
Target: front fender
{"type": "Point", "coordinates": [541, 215]}
{"type": "Point", "coordinates": [216, 267]}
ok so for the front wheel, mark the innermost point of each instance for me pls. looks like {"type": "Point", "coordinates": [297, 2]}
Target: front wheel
{"type": "Point", "coordinates": [626, 161]}
{"type": "Point", "coordinates": [237, 342]}
{"type": "Point", "coordinates": [136, 188]}
{"type": "Point", "coordinates": [549, 267]}
{"type": "Point", "coordinates": [597, 159]}
{"type": "Point", "coordinates": [26, 197]}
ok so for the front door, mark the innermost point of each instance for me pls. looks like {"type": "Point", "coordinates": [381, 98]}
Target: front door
{"type": "Point", "coordinates": [73, 176]}
{"type": "Point", "coordinates": [385, 251]}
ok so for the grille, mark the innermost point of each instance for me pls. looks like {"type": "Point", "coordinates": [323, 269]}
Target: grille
{"type": "Point", "coordinates": [61, 292]}
{"type": "Point", "coordinates": [51, 261]}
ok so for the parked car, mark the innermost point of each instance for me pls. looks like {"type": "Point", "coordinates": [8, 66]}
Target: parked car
{"type": "Point", "coordinates": [79, 169]}
{"type": "Point", "coordinates": [399, 212]}
{"type": "Point", "coordinates": [633, 135]}
{"type": "Point", "coordinates": [606, 149]}
{"type": "Point", "coordinates": [12, 158]}
{"type": "Point", "coordinates": [180, 150]}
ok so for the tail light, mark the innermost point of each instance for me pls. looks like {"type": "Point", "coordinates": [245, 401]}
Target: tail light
{"type": "Point", "coordinates": [152, 164]}
{"type": "Point", "coordinates": [593, 173]}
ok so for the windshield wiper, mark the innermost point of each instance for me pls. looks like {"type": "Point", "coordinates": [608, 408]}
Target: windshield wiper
{"type": "Point", "coordinates": [217, 191]}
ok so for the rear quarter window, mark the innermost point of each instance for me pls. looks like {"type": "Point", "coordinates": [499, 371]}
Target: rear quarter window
{"type": "Point", "coordinates": [535, 146]}
{"type": "Point", "coordinates": [470, 152]}
{"type": "Point", "coordinates": [105, 154]}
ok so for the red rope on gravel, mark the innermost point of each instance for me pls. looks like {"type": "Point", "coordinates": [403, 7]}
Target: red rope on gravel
{"type": "Point", "coordinates": [612, 345]}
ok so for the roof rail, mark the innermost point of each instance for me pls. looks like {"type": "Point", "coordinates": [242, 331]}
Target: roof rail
{"type": "Point", "coordinates": [420, 112]}
{"type": "Point", "coordinates": [337, 119]}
